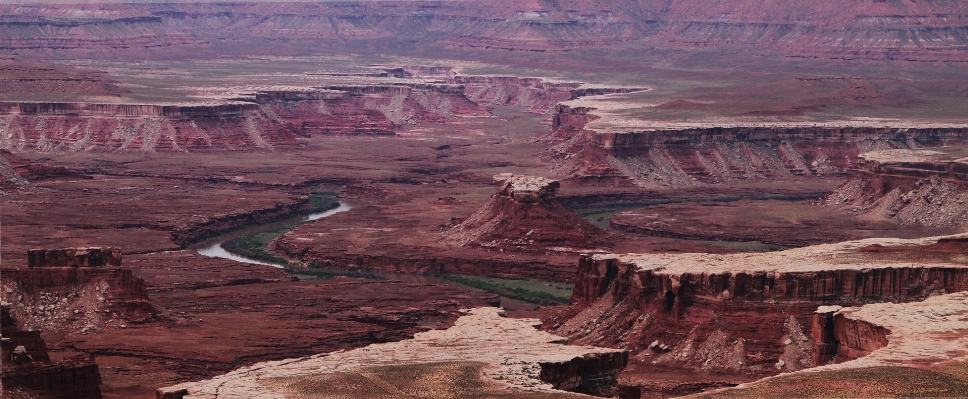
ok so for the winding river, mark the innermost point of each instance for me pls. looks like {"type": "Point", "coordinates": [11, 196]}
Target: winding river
{"type": "Point", "coordinates": [213, 246]}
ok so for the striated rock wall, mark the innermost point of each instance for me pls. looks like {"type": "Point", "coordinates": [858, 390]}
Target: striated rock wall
{"type": "Point", "coordinates": [751, 321]}
{"type": "Point", "coordinates": [880, 29]}
{"type": "Point", "coordinates": [534, 94]}
{"type": "Point", "coordinates": [262, 120]}
{"type": "Point", "coordinates": [914, 187]}
{"type": "Point", "coordinates": [686, 157]}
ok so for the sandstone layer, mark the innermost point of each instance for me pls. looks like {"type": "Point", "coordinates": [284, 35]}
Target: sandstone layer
{"type": "Point", "coordinates": [752, 314]}
{"type": "Point", "coordinates": [76, 289]}
{"type": "Point", "coordinates": [524, 215]}
{"type": "Point", "coordinates": [29, 371]}
{"type": "Point", "coordinates": [878, 30]}
{"type": "Point", "coordinates": [666, 155]}
{"type": "Point", "coordinates": [914, 187]}
{"type": "Point", "coordinates": [515, 354]}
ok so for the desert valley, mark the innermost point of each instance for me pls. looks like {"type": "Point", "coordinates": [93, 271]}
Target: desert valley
{"type": "Point", "coordinates": [484, 199]}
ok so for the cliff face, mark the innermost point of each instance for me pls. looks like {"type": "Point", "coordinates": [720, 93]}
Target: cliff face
{"type": "Point", "coordinates": [687, 157]}
{"type": "Point", "coordinates": [747, 313]}
{"type": "Point", "coordinates": [27, 365]}
{"type": "Point", "coordinates": [920, 187]}
{"type": "Point", "coordinates": [262, 121]}
{"type": "Point", "coordinates": [64, 291]}
{"type": "Point", "coordinates": [524, 215]}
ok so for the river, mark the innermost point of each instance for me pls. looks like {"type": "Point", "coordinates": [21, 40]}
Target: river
{"type": "Point", "coordinates": [213, 247]}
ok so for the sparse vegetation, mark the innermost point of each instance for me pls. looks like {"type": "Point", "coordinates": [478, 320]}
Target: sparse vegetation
{"type": "Point", "coordinates": [256, 245]}
{"type": "Point", "coordinates": [527, 290]}
{"type": "Point", "coordinates": [326, 274]}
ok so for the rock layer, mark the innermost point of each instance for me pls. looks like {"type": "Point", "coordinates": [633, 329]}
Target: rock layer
{"type": "Point", "coordinates": [514, 353]}
{"type": "Point", "coordinates": [695, 310]}
{"type": "Point", "coordinates": [27, 365]}
{"type": "Point", "coordinates": [914, 187]}
{"type": "Point", "coordinates": [681, 157]}
{"type": "Point", "coordinates": [72, 289]}
{"type": "Point", "coordinates": [524, 215]}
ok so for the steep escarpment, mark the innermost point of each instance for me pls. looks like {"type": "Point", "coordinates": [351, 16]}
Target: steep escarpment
{"type": "Point", "coordinates": [263, 120]}
{"type": "Point", "coordinates": [914, 187]}
{"type": "Point", "coordinates": [752, 313]}
{"type": "Point", "coordinates": [534, 94]}
{"type": "Point", "coordinates": [682, 157]}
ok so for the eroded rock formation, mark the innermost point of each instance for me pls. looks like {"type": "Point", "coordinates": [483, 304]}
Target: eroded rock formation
{"type": "Point", "coordinates": [27, 367]}
{"type": "Point", "coordinates": [76, 289]}
{"type": "Point", "coordinates": [515, 355]}
{"type": "Point", "coordinates": [753, 313]}
{"type": "Point", "coordinates": [524, 215]}
{"type": "Point", "coordinates": [914, 187]}
{"type": "Point", "coordinates": [682, 157]}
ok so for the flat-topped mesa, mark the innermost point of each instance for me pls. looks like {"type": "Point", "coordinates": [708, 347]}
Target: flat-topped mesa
{"type": "Point", "coordinates": [523, 214]}
{"type": "Point", "coordinates": [74, 257]}
{"type": "Point", "coordinates": [681, 156]}
{"type": "Point", "coordinates": [922, 187]}
{"type": "Point", "coordinates": [753, 313]}
{"type": "Point", "coordinates": [525, 188]}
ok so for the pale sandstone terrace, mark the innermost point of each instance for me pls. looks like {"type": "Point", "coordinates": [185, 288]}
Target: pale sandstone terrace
{"type": "Point", "coordinates": [515, 354]}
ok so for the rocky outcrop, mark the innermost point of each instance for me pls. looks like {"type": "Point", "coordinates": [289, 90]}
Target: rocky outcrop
{"type": "Point", "coordinates": [682, 157]}
{"type": "Point", "coordinates": [76, 289]}
{"type": "Point", "coordinates": [749, 313]}
{"type": "Point", "coordinates": [533, 94]}
{"type": "Point", "coordinates": [27, 366]}
{"type": "Point", "coordinates": [514, 355]}
{"type": "Point", "coordinates": [524, 215]}
{"type": "Point", "coordinates": [914, 187]}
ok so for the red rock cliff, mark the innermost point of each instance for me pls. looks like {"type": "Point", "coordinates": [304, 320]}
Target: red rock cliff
{"type": "Point", "coordinates": [744, 321]}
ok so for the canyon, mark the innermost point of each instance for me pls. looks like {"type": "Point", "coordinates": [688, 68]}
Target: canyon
{"type": "Point", "coordinates": [740, 199]}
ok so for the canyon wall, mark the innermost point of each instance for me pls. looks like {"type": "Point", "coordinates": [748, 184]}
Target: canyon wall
{"type": "Point", "coordinates": [759, 322]}
{"type": "Point", "coordinates": [914, 187]}
{"type": "Point", "coordinates": [693, 156]}
{"type": "Point", "coordinates": [262, 120]}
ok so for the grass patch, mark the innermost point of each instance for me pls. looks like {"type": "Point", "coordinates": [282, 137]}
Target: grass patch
{"type": "Point", "coordinates": [527, 290]}
{"type": "Point", "coordinates": [326, 274]}
{"type": "Point", "coordinates": [256, 246]}
{"type": "Point", "coordinates": [323, 200]}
